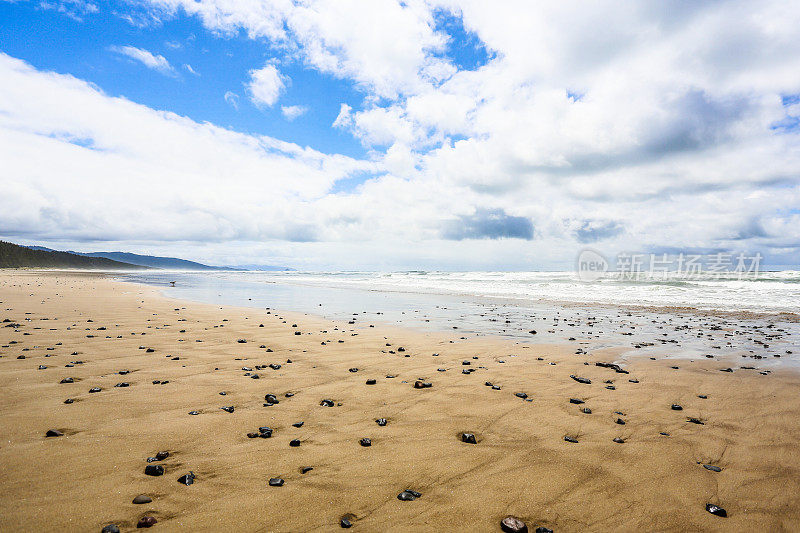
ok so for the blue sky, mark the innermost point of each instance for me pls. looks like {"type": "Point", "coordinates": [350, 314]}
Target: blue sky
{"type": "Point", "coordinates": [410, 134]}
{"type": "Point", "coordinates": [51, 40]}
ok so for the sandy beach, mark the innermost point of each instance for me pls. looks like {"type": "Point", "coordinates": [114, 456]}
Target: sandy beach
{"type": "Point", "coordinates": [662, 440]}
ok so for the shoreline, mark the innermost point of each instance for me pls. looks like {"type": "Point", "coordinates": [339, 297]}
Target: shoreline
{"type": "Point", "coordinates": [521, 464]}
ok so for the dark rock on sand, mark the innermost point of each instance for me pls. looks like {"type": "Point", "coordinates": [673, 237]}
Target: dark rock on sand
{"type": "Point", "coordinates": [142, 498]}
{"type": "Point", "coordinates": [345, 523]}
{"type": "Point", "coordinates": [53, 433]}
{"type": "Point", "coordinates": [67, 380]}
{"type": "Point", "coordinates": [512, 524]}
{"type": "Point", "coordinates": [408, 495]}
{"type": "Point", "coordinates": [422, 385]}
{"type": "Point", "coordinates": [194, 412]}
{"type": "Point", "coordinates": [585, 381]}
{"type": "Point", "coordinates": [676, 407]}
{"type": "Point", "coordinates": [95, 389]}
{"type": "Point", "coordinates": [154, 470]}
{"type": "Point", "coordinates": [275, 482]}
{"type": "Point", "coordinates": [110, 528]}
{"type": "Point", "coordinates": [381, 422]}
{"type": "Point", "coordinates": [571, 439]}
{"type": "Point", "coordinates": [586, 410]}
{"type": "Point", "coordinates": [187, 479]}
{"type": "Point", "coordinates": [326, 403]}
{"type": "Point", "coordinates": [69, 400]}
{"type": "Point", "coordinates": [542, 529]}
{"type": "Point", "coordinates": [365, 442]}
{"type": "Point", "coordinates": [146, 521]}
{"type": "Point", "coordinates": [227, 408]}
{"type": "Point", "coordinates": [271, 398]}
{"type": "Point", "coordinates": [712, 468]}
{"type": "Point", "coordinates": [469, 438]}
{"type": "Point", "coordinates": [520, 395]}
{"type": "Point", "coordinates": [371, 382]}
{"type": "Point", "coordinates": [695, 421]}
{"type": "Point", "coordinates": [576, 401]}
{"type": "Point", "coordinates": [716, 510]}
{"type": "Point", "coordinates": [618, 440]}
{"type": "Point", "coordinates": [306, 469]}
{"type": "Point", "coordinates": [294, 443]}
{"type": "Point", "coordinates": [298, 424]}
{"type": "Point", "coordinates": [160, 456]}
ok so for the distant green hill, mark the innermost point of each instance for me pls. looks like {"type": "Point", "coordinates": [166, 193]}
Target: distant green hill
{"type": "Point", "coordinates": [15, 256]}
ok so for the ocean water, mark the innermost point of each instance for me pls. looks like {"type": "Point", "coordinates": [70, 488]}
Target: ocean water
{"type": "Point", "coordinates": [753, 317]}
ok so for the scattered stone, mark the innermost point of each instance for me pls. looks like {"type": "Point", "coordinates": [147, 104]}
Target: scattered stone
{"type": "Point", "coordinates": [512, 524]}
{"type": "Point", "coordinates": [618, 440]}
{"type": "Point", "coordinates": [187, 479]}
{"type": "Point", "coordinates": [571, 439]}
{"type": "Point", "coordinates": [294, 443]}
{"type": "Point", "coordinates": [67, 380]}
{"type": "Point", "coordinates": [695, 421]}
{"type": "Point", "coordinates": [276, 482]}
{"type": "Point", "coordinates": [469, 438]}
{"type": "Point", "coordinates": [712, 468]}
{"type": "Point", "coordinates": [327, 403]}
{"type": "Point", "coordinates": [95, 389]}
{"type": "Point", "coordinates": [586, 410]}
{"type": "Point", "coordinates": [520, 395]}
{"type": "Point", "coordinates": [345, 523]}
{"type": "Point", "coordinates": [298, 424]}
{"type": "Point", "coordinates": [408, 495]}
{"type": "Point", "coordinates": [576, 401]}
{"type": "Point", "coordinates": [371, 382]}
{"type": "Point", "coordinates": [422, 385]}
{"type": "Point", "coordinates": [381, 422]}
{"type": "Point", "coordinates": [716, 510]}
{"type": "Point", "coordinates": [365, 442]}
{"type": "Point", "coordinates": [69, 400]}
{"type": "Point", "coordinates": [146, 521]}
{"type": "Point", "coordinates": [53, 433]}
{"type": "Point", "coordinates": [227, 409]}
{"type": "Point", "coordinates": [194, 412]}
{"type": "Point", "coordinates": [676, 407]}
{"type": "Point", "coordinates": [306, 469]}
{"type": "Point", "coordinates": [110, 528]}
{"type": "Point", "coordinates": [154, 470]}
{"type": "Point", "coordinates": [585, 381]}
{"type": "Point", "coordinates": [142, 498]}
{"type": "Point", "coordinates": [271, 399]}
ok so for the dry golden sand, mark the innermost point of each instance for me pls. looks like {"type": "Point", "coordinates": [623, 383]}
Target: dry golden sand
{"type": "Point", "coordinates": [520, 466]}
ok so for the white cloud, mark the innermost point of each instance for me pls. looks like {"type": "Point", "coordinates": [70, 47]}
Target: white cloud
{"type": "Point", "coordinates": [232, 98]}
{"type": "Point", "coordinates": [117, 170]}
{"type": "Point", "coordinates": [293, 111]}
{"type": "Point", "coordinates": [189, 69]}
{"type": "Point", "coordinates": [265, 86]}
{"type": "Point", "coordinates": [146, 58]}
{"type": "Point", "coordinates": [672, 140]}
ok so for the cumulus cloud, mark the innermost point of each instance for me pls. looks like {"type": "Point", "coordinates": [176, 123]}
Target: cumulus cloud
{"type": "Point", "coordinates": [293, 111]}
{"type": "Point", "coordinates": [489, 224]}
{"type": "Point", "coordinates": [265, 85]}
{"type": "Point", "coordinates": [662, 125]}
{"type": "Point", "coordinates": [152, 61]}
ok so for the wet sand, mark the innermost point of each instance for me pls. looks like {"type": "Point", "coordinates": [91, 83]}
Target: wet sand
{"type": "Point", "coordinates": [521, 464]}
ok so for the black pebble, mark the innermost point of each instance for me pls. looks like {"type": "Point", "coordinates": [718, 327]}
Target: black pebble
{"type": "Point", "coordinates": [294, 443]}
{"type": "Point", "coordinates": [408, 495]}
{"type": "Point", "coordinates": [365, 442]}
{"type": "Point", "coordinates": [276, 482]}
{"type": "Point", "coordinates": [469, 438]}
{"type": "Point", "coordinates": [154, 470]}
{"type": "Point", "coordinates": [381, 421]}
{"type": "Point", "coordinates": [716, 510]}
{"type": "Point", "coordinates": [187, 479]}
